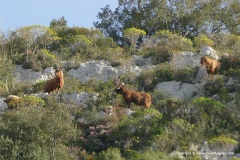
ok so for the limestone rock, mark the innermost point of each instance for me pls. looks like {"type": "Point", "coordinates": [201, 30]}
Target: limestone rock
{"type": "Point", "coordinates": [209, 51]}
{"type": "Point", "coordinates": [182, 91]}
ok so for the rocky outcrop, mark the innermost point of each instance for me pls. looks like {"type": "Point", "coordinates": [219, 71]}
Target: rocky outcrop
{"type": "Point", "coordinates": [102, 70]}
{"type": "Point", "coordinates": [82, 99]}
{"type": "Point", "coordinates": [30, 76]}
{"type": "Point", "coordinates": [97, 70]}
{"type": "Point", "coordinates": [182, 91]}
{"type": "Point", "coordinates": [202, 74]}
{"type": "Point", "coordinates": [185, 60]}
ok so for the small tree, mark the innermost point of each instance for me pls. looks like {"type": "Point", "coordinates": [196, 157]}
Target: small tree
{"type": "Point", "coordinates": [133, 34]}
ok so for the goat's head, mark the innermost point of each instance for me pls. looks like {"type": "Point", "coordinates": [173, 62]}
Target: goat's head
{"type": "Point", "coordinates": [204, 60]}
{"type": "Point", "coordinates": [119, 84]}
{"type": "Point", "coordinates": [58, 72]}
{"type": "Point", "coordinates": [119, 87]}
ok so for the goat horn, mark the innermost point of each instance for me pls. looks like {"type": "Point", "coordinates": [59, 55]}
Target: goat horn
{"type": "Point", "coordinates": [119, 76]}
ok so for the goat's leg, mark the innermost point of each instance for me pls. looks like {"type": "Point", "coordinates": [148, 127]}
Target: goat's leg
{"type": "Point", "coordinates": [128, 105]}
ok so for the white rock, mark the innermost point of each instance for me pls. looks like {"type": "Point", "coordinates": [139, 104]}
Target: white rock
{"type": "Point", "coordinates": [3, 105]}
{"type": "Point", "coordinates": [30, 76]}
{"type": "Point", "coordinates": [102, 70]}
{"type": "Point", "coordinates": [93, 70]}
{"type": "Point", "coordinates": [140, 61]}
{"type": "Point", "coordinates": [202, 74]}
{"type": "Point", "coordinates": [185, 60]}
{"type": "Point", "coordinates": [209, 51]}
{"type": "Point", "coordinates": [182, 91]}
{"type": "Point", "coordinates": [81, 99]}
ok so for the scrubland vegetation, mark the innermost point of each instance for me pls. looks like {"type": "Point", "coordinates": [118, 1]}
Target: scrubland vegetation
{"type": "Point", "coordinates": [49, 129]}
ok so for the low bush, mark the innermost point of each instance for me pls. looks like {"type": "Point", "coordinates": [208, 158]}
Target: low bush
{"type": "Point", "coordinates": [213, 86]}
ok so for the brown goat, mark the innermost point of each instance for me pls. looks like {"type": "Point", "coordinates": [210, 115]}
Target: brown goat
{"type": "Point", "coordinates": [139, 98]}
{"type": "Point", "coordinates": [12, 101]}
{"type": "Point", "coordinates": [56, 83]}
{"type": "Point", "coordinates": [213, 66]}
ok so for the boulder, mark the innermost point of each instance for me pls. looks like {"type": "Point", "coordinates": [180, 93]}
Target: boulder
{"type": "Point", "coordinates": [140, 61]}
{"type": "Point", "coordinates": [93, 70]}
{"type": "Point", "coordinates": [31, 76]}
{"type": "Point", "coordinates": [182, 91]}
{"type": "Point", "coordinates": [81, 99]}
{"type": "Point", "coordinates": [185, 59]}
{"type": "Point", "coordinates": [202, 74]}
{"type": "Point", "coordinates": [209, 51]}
{"type": "Point", "coordinates": [3, 105]}
{"type": "Point", "coordinates": [102, 70]}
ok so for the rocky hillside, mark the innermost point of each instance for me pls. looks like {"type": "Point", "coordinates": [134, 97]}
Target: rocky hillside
{"type": "Point", "coordinates": [173, 95]}
{"type": "Point", "coordinates": [102, 70]}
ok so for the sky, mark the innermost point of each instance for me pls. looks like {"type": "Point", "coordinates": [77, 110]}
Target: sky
{"type": "Point", "coordinates": [20, 13]}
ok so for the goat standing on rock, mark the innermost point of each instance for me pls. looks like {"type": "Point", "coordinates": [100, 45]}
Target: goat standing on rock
{"type": "Point", "coordinates": [56, 83]}
{"type": "Point", "coordinates": [139, 98]}
{"type": "Point", "coordinates": [213, 66]}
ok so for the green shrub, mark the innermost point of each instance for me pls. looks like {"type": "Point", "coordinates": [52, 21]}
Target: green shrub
{"type": "Point", "coordinates": [162, 73]}
{"type": "Point", "coordinates": [235, 73]}
{"type": "Point", "coordinates": [223, 143]}
{"type": "Point", "coordinates": [207, 103]}
{"type": "Point", "coordinates": [27, 102]}
{"type": "Point", "coordinates": [230, 62]}
{"type": "Point", "coordinates": [41, 60]}
{"type": "Point", "coordinates": [18, 59]}
{"type": "Point", "coordinates": [21, 88]}
{"type": "Point", "coordinates": [168, 107]}
{"type": "Point", "coordinates": [131, 154]}
{"type": "Point", "coordinates": [173, 41]}
{"type": "Point", "coordinates": [38, 86]}
{"type": "Point", "coordinates": [156, 155]}
{"type": "Point", "coordinates": [148, 79]}
{"type": "Point", "coordinates": [110, 154]}
{"type": "Point", "coordinates": [203, 40]}
{"type": "Point", "coordinates": [209, 115]}
{"type": "Point", "coordinates": [8, 148]}
{"type": "Point", "coordinates": [47, 59]}
{"type": "Point", "coordinates": [185, 75]}
{"type": "Point", "coordinates": [213, 86]}
{"type": "Point", "coordinates": [158, 54]}
{"type": "Point", "coordinates": [234, 158]}
{"type": "Point", "coordinates": [27, 132]}
{"type": "Point", "coordinates": [31, 62]}
{"type": "Point", "coordinates": [137, 131]}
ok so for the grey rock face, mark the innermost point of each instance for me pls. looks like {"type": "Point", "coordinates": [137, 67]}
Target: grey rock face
{"type": "Point", "coordinates": [182, 91]}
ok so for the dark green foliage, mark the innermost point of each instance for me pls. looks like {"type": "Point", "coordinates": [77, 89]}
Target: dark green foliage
{"type": "Point", "coordinates": [229, 63]}
{"type": "Point", "coordinates": [27, 102]}
{"type": "Point", "coordinates": [213, 86]}
{"type": "Point", "coordinates": [234, 73]}
{"type": "Point", "coordinates": [211, 113]}
{"type": "Point", "coordinates": [168, 107]}
{"type": "Point", "coordinates": [158, 54]}
{"type": "Point", "coordinates": [186, 75]}
{"type": "Point", "coordinates": [36, 133]}
{"type": "Point", "coordinates": [38, 87]}
{"type": "Point", "coordinates": [150, 78]}
{"type": "Point", "coordinates": [39, 61]}
{"type": "Point", "coordinates": [136, 131]}
{"type": "Point", "coordinates": [96, 130]}
{"type": "Point", "coordinates": [6, 69]}
{"type": "Point", "coordinates": [110, 154]}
